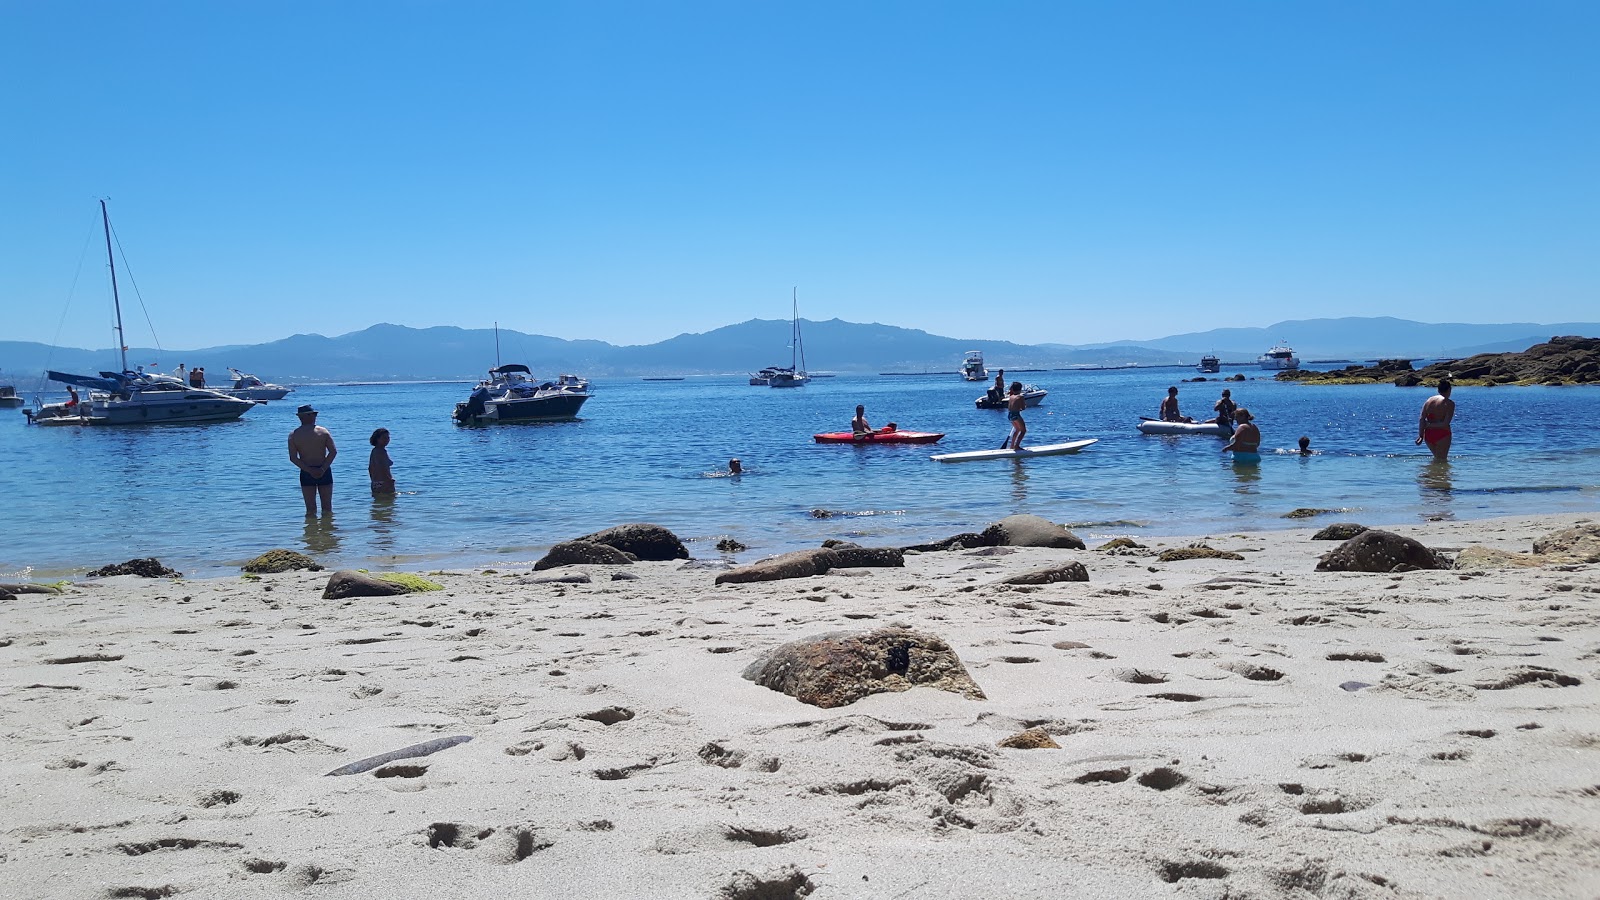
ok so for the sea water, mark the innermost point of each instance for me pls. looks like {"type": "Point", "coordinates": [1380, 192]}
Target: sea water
{"type": "Point", "coordinates": [203, 499]}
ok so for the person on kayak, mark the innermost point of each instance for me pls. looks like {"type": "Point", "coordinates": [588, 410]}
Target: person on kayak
{"type": "Point", "coordinates": [859, 425]}
{"type": "Point", "coordinates": [1014, 407]}
{"type": "Point", "coordinates": [1169, 408]}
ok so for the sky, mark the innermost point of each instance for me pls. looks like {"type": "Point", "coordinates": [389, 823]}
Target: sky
{"type": "Point", "coordinates": [1064, 171]}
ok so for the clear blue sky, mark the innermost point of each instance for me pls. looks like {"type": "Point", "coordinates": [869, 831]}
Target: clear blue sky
{"type": "Point", "coordinates": [1053, 171]}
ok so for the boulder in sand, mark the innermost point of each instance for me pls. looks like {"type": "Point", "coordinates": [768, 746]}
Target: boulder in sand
{"type": "Point", "coordinates": [582, 553]}
{"type": "Point", "coordinates": [1072, 571]}
{"type": "Point", "coordinates": [1580, 543]}
{"type": "Point", "coordinates": [1339, 531]}
{"type": "Point", "coordinates": [1195, 551]}
{"type": "Point", "coordinates": [149, 567]}
{"type": "Point", "coordinates": [1380, 551]}
{"type": "Point", "coordinates": [1480, 559]}
{"type": "Point", "coordinates": [852, 557]}
{"type": "Point", "coordinates": [281, 561]}
{"type": "Point", "coordinates": [641, 540]}
{"type": "Point", "coordinates": [799, 564]}
{"type": "Point", "coordinates": [344, 584]}
{"type": "Point", "coordinates": [837, 669]}
{"type": "Point", "coordinates": [1032, 739]}
{"type": "Point", "coordinates": [1031, 531]}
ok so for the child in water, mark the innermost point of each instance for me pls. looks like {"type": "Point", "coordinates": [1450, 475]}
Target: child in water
{"type": "Point", "coordinates": [380, 468]}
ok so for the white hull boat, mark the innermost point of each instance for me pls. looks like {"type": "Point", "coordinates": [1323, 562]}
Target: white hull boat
{"type": "Point", "coordinates": [249, 387]}
{"type": "Point", "coordinates": [972, 368]}
{"type": "Point", "coordinates": [1279, 358]}
{"type": "Point", "coordinates": [795, 375]}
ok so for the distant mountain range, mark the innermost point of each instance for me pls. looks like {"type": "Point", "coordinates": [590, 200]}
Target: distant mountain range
{"type": "Point", "coordinates": [398, 353]}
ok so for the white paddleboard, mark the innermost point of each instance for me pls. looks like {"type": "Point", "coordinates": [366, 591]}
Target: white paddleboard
{"type": "Point", "coordinates": [1024, 453]}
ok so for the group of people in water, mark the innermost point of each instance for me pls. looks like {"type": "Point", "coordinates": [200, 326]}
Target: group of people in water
{"type": "Point", "coordinates": [312, 450]}
{"type": "Point", "coordinates": [1433, 425]}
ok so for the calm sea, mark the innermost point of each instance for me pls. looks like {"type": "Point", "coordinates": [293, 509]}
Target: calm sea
{"type": "Point", "coordinates": [204, 499]}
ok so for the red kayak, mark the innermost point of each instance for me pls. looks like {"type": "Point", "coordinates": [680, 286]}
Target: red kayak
{"type": "Point", "coordinates": [878, 437]}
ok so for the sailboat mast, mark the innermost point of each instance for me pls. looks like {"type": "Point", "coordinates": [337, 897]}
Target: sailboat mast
{"type": "Point", "coordinates": [497, 345]}
{"type": "Point", "coordinates": [122, 342]}
{"type": "Point", "coordinates": [799, 348]}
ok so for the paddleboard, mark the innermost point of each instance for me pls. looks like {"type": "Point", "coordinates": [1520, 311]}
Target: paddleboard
{"type": "Point", "coordinates": [1024, 453]}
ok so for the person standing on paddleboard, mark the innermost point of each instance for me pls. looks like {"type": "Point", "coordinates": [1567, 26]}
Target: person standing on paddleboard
{"type": "Point", "coordinates": [1014, 407]}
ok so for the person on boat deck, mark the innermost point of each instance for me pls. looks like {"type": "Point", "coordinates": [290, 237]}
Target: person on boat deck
{"type": "Point", "coordinates": [380, 468]}
{"type": "Point", "coordinates": [1224, 409]}
{"type": "Point", "coordinates": [197, 377]}
{"type": "Point", "coordinates": [72, 396]}
{"type": "Point", "coordinates": [1246, 443]}
{"type": "Point", "coordinates": [181, 373]}
{"type": "Point", "coordinates": [1169, 408]}
{"type": "Point", "coordinates": [312, 451]}
{"type": "Point", "coordinates": [998, 392]}
{"type": "Point", "coordinates": [1433, 426]}
{"type": "Point", "coordinates": [1015, 404]}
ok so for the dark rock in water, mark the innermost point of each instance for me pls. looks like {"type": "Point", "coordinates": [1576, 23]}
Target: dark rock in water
{"type": "Point", "coordinates": [1072, 571]}
{"type": "Point", "coordinates": [1561, 360]}
{"type": "Point", "coordinates": [852, 557]}
{"type": "Point", "coordinates": [1032, 739]}
{"type": "Point", "coordinates": [823, 514]}
{"type": "Point", "coordinates": [1386, 370]}
{"type": "Point", "coordinates": [642, 540]}
{"type": "Point", "coordinates": [1339, 531]}
{"type": "Point", "coordinates": [835, 544]}
{"type": "Point", "coordinates": [149, 567]}
{"type": "Point", "coordinates": [1580, 543]}
{"type": "Point", "coordinates": [729, 545]}
{"type": "Point", "coordinates": [29, 589]}
{"type": "Point", "coordinates": [799, 564]}
{"type": "Point", "coordinates": [1198, 551]}
{"type": "Point", "coordinates": [582, 553]}
{"type": "Point", "coordinates": [1380, 551]}
{"type": "Point", "coordinates": [1235, 377]}
{"type": "Point", "coordinates": [958, 542]}
{"type": "Point", "coordinates": [281, 561]}
{"type": "Point", "coordinates": [840, 668]}
{"type": "Point", "coordinates": [1031, 531]}
{"type": "Point", "coordinates": [344, 584]}
{"type": "Point", "coordinates": [1306, 512]}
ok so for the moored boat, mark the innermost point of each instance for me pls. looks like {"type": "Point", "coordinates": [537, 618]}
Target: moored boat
{"type": "Point", "coordinates": [249, 387]}
{"type": "Point", "coordinates": [795, 375]}
{"type": "Point", "coordinates": [1209, 364]}
{"type": "Point", "coordinates": [1031, 396]}
{"type": "Point", "coordinates": [1280, 357]}
{"type": "Point", "coordinates": [878, 437]}
{"type": "Point", "coordinates": [9, 398]}
{"type": "Point", "coordinates": [510, 394]}
{"type": "Point", "coordinates": [972, 368]}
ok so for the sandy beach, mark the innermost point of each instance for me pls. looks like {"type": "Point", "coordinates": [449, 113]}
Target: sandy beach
{"type": "Point", "coordinates": [1227, 728]}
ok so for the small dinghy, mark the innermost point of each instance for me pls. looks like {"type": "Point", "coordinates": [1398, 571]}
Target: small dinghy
{"type": "Point", "coordinates": [1156, 426]}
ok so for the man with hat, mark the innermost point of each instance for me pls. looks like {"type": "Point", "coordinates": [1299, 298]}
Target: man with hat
{"type": "Point", "coordinates": [312, 451]}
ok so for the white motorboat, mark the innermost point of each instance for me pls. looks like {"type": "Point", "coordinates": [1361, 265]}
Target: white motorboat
{"type": "Point", "coordinates": [795, 375]}
{"type": "Point", "coordinates": [510, 394]}
{"type": "Point", "coordinates": [9, 398]}
{"type": "Point", "coordinates": [134, 397]}
{"type": "Point", "coordinates": [1209, 364]}
{"type": "Point", "coordinates": [1031, 395]}
{"type": "Point", "coordinates": [972, 367]}
{"type": "Point", "coordinates": [764, 377]}
{"type": "Point", "coordinates": [249, 387]}
{"type": "Point", "coordinates": [1280, 358]}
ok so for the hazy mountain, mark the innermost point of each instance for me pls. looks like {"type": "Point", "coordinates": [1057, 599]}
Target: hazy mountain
{"type": "Point", "coordinates": [397, 353]}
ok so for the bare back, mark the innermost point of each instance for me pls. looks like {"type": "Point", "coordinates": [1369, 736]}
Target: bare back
{"type": "Point", "coordinates": [311, 447]}
{"type": "Point", "coordinates": [1438, 411]}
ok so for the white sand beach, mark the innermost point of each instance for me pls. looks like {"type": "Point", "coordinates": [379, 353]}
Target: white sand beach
{"type": "Point", "coordinates": [1239, 729]}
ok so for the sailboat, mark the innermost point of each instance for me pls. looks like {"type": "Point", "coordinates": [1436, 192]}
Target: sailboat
{"type": "Point", "coordinates": [132, 397]}
{"type": "Point", "coordinates": [795, 375]}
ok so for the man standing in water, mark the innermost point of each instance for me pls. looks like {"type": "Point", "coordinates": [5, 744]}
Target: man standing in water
{"type": "Point", "coordinates": [1433, 426]}
{"type": "Point", "coordinates": [312, 451]}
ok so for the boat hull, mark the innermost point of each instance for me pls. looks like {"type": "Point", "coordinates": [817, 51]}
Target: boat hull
{"type": "Point", "coordinates": [878, 437]}
{"type": "Point", "coordinates": [1156, 426]}
{"type": "Point", "coordinates": [788, 381]}
{"type": "Point", "coordinates": [556, 408]}
{"type": "Point", "coordinates": [1029, 398]}
{"type": "Point", "coordinates": [176, 411]}
{"type": "Point", "coordinates": [257, 395]}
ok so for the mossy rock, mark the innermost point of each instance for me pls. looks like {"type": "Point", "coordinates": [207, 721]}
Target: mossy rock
{"type": "Point", "coordinates": [413, 584]}
{"type": "Point", "coordinates": [281, 561]}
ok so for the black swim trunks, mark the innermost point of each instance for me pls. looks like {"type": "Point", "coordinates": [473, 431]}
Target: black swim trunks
{"type": "Point", "coordinates": [307, 481]}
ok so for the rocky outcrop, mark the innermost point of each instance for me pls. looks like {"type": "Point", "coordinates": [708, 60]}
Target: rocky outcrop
{"type": "Point", "coordinates": [1580, 543]}
{"type": "Point", "coordinates": [1561, 360]}
{"type": "Point", "coordinates": [1195, 551]}
{"type": "Point", "coordinates": [1072, 571]}
{"type": "Point", "coordinates": [641, 540]}
{"type": "Point", "coordinates": [837, 669]}
{"type": "Point", "coordinates": [1380, 551]}
{"type": "Point", "coordinates": [274, 561]}
{"type": "Point", "coordinates": [1031, 531]}
{"type": "Point", "coordinates": [799, 564]}
{"type": "Point", "coordinates": [1339, 531]}
{"type": "Point", "coordinates": [1481, 559]}
{"type": "Point", "coordinates": [344, 584]}
{"type": "Point", "coordinates": [149, 567]}
{"type": "Point", "coordinates": [582, 553]}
